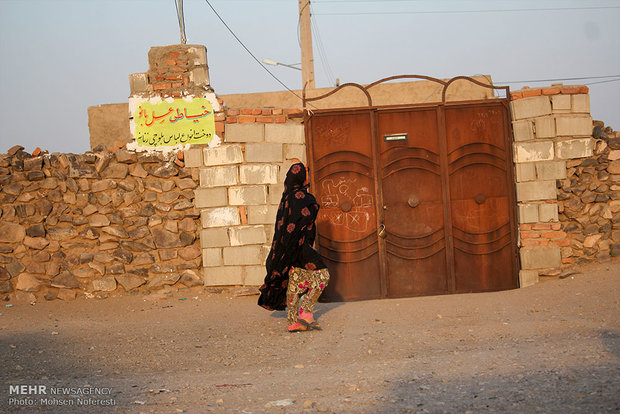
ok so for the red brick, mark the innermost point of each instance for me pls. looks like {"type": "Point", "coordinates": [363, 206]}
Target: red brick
{"type": "Point", "coordinates": [529, 235]}
{"type": "Point", "coordinates": [177, 84]}
{"type": "Point", "coordinates": [534, 242]}
{"type": "Point", "coordinates": [554, 235]}
{"type": "Point", "coordinates": [280, 119]}
{"type": "Point", "coordinates": [292, 111]}
{"type": "Point", "coordinates": [246, 112]}
{"type": "Point", "coordinates": [174, 55]}
{"type": "Point", "coordinates": [181, 155]}
{"type": "Point", "coordinates": [525, 227]}
{"type": "Point", "coordinates": [174, 77]}
{"type": "Point", "coordinates": [574, 89]}
{"type": "Point", "coordinates": [567, 260]}
{"type": "Point", "coordinates": [232, 112]}
{"type": "Point", "coordinates": [277, 111]}
{"type": "Point", "coordinates": [159, 78]}
{"type": "Point", "coordinates": [220, 116]}
{"type": "Point", "coordinates": [170, 62]}
{"type": "Point", "coordinates": [531, 92]}
{"type": "Point", "coordinates": [182, 62]}
{"type": "Point", "coordinates": [562, 242]}
{"type": "Point", "coordinates": [516, 95]}
{"type": "Point", "coordinates": [179, 163]}
{"type": "Point", "coordinates": [246, 119]}
{"type": "Point", "coordinates": [178, 69]}
{"type": "Point", "coordinates": [551, 91]}
{"type": "Point", "coordinates": [36, 152]}
{"type": "Point", "coordinates": [231, 119]}
{"type": "Point", "coordinates": [556, 226]}
{"type": "Point", "coordinates": [541, 226]}
{"type": "Point", "coordinates": [220, 127]}
{"type": "Point", "coordinates": [176, 94]}
{"type": "Point", "coordinates": [257, 111]}
{"type": "Point", "coordinates": [266, 111]}
{"type": "Point", "coordinates": [185, 81]}
{"type": "Point", "coordinates": [243, 215]}
{"type": "Point", "coordinates": [161, 86]}
{"type": "Point", "coordinates": [265, 120]}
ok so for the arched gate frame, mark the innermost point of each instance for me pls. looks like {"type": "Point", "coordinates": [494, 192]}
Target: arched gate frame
{"type": "Point", "coordinates": [415, 199]}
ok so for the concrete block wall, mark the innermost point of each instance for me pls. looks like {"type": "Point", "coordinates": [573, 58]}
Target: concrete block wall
{"type": "Point", "coordinates": [241, 182]}
{"type": "Point", "coordinates": [552, 127]}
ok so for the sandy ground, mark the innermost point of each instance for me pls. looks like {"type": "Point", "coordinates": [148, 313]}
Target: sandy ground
{"type": "Point", "coordinates": [551, 348]}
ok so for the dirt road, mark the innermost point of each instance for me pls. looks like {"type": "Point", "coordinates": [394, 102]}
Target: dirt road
{"type": "Point", "coordinates": [550, 348]}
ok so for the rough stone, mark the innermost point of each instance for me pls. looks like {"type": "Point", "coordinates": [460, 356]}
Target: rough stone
{"type": "Point", "coordinates": [164, 239]}
{"type": "Point", "coordinates": [11, 233]}
{"type": "Point", "coordinates": [163, 279]}
{"type": "Point", "coordinates": [61, 233]}
{"type": "Point", "coordinates": [36, 230]}
{"type": "Point", "coordinates": [189, 278]}
{"type": "Point", "coordinates": [27, 282]}
{"type": "Point", "coordinates": [164, 170]}
{"type": "Point", "coordinates": [37, 243]}
{"type": "Point", "coordinates": [116, 231]}
{"type": "Point", "coordinates": [65, 280]}
{"type": "Point", "coordinates": [66, 294]}
{"type": "Point", "coordinates": [105, 284]}
{"type": "Point", "coordinates": [116, 171]}
{"type": "Point", "coordinates": [189, 252]}
{"type": "Point", "coordinates": [130, 281]}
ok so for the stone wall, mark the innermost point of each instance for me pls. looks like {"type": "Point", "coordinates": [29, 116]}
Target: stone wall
{"type": "Point", "coordinates": [589, 201]}
{"type": "Point", "coordinates": [553, 141]}
{"type": "Point", "coordinates": [95, 224]}
{"type": "Point", "coordinates": [241, 182]}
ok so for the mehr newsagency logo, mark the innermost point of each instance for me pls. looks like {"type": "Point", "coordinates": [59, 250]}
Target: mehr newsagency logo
{"type": "Point", "coordinates": [32, 395]}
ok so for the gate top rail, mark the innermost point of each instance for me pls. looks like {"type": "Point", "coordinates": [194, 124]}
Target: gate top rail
{"type": "Point", "coordinates": [445, 84]}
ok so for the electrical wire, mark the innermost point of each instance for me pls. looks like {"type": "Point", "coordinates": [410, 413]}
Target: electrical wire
{"type": "Point", "coordinates": [466, 11]}
{"type": "Point", "coordinates": [561, 79]}
{"type": "Point", "coordinates": [181, 19]}
{"type": "Point", "coordinates": [252, 54]}
{"type": "Point", "coordinates": [605, 81]}
{"type": "Point", "coordinates": [321, 49]}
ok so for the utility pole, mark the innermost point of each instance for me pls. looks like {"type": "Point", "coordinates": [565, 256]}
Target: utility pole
{"type": "Point", "coordinates": [305, 36]}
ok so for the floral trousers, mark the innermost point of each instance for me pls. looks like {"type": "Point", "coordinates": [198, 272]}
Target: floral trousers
{"type": "Point", "coordinates": [304, 286]}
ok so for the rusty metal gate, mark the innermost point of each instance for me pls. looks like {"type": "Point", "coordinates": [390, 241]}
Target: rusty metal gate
{"type": "Point", "coordinates": [415, 199]}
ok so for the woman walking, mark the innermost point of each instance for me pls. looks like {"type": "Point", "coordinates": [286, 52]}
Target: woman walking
{"type": "Point", "coordinates": [296, 275]}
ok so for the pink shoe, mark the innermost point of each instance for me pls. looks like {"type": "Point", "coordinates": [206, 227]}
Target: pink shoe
{"type": "Point", "coordinates": [306, 317]}
{"type": "Point", "coordinates": [297, 327]}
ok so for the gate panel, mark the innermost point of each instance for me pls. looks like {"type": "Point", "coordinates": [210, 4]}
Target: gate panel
{"type": "Point", "coordinates": [481, 198]}
{"type": "Point", "coordinates": [411, 183]}
{"type": "Point", "coordinates": [343, 180]}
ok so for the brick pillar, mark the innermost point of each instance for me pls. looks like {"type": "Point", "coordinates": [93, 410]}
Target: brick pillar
{"type": "Point", "coordinates": [175, 71]}
{"type": "Point", "coordinates": [551, 126]}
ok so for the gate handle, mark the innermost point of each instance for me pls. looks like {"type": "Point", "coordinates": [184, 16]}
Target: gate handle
{"type": "Point", "coordinates": [413, 201]}
{"type": "Point", "coordinates": [382, 232]}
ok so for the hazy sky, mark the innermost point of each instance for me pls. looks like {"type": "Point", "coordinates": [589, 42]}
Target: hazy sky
{"type": "Point", "coordinates": [60, 57]}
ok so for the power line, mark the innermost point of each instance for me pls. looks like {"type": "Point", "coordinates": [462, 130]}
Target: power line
{"type": "Point", "coordinates": [181, 18]}
{"type": "Point", "coordinates": [252, 54]}
{"type": "Point", "coordinates": [466, 11]}
{"type": "Point", "coordinates": [605, 81]}
{"type": "Point", "coordinates": [321, 49]}
{"type": "Point", "coordinates": [559, 79]}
